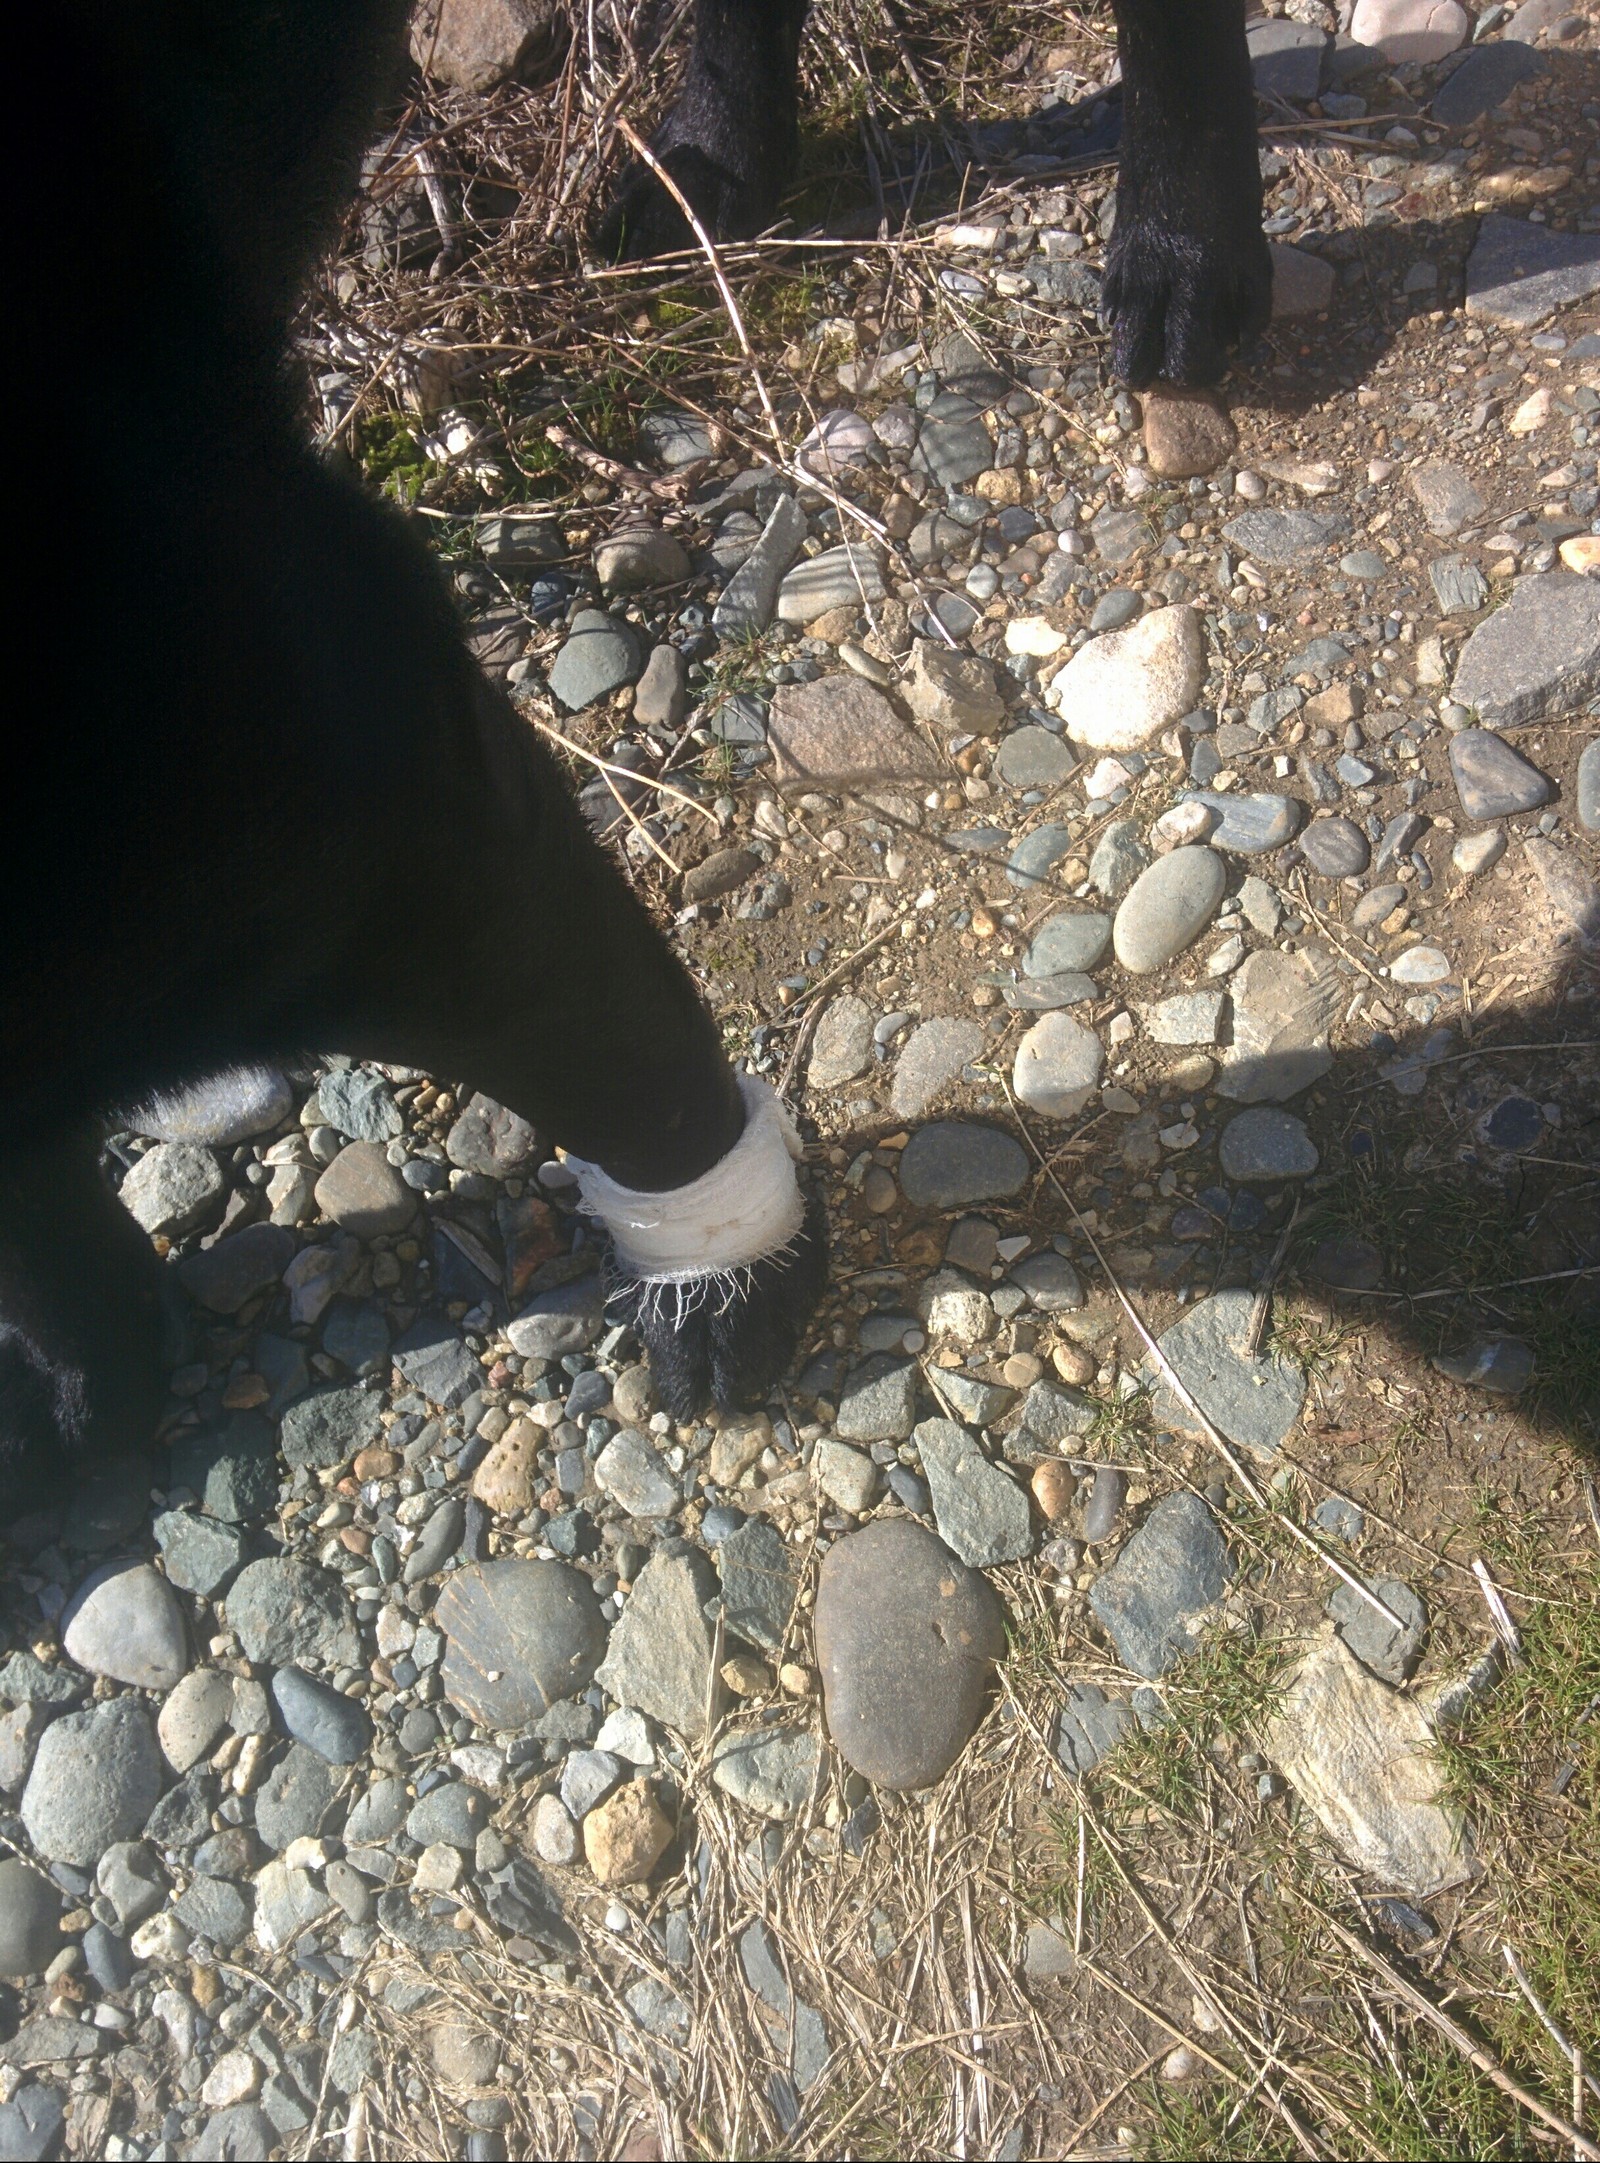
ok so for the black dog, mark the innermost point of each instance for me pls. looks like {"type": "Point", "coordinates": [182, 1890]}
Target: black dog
{"type": "Point", "coordinates": [266, 800]}
{"type": "Point", "coordinates": [1189, 274]}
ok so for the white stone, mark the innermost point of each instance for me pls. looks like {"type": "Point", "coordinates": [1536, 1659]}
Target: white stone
{"type": "Point", "coordinates": [1413, 30]}
{"type": "Point", "coordinates": [1031, 634]}
{"type": "Point", "coordinates": [172, 1187]}
{"type": "Point", "coordinates": [192, 1718]}
{"type": "Point", "coordinates": [438, 1869]}
{"type": "Point", "coordinates": [953, 1312]}
{"type": "Point", "coordinates": [162, 1940]}
{"type": "Point", "coordinates": [1533, 412]}
{"type": "Point", "coordinates": [1057, 1066]}
{"type": "Point", "coordinates": [1123, 688]}
{"type": "Point", "coordinates": [125, 1623]}
{"type": "Point", "coordinates": [233, 2079]}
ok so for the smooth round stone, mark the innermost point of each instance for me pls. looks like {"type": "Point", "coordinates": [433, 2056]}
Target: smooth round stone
{"type": "Point", "coordinates": [639, 558]}
{"type": "Point", "coordinates": [1034, 758]}
{"type": "Point", "coordinates": [1167, 908]}
{"type": "Point", "coordinates": [1420, 965]}
{"type": "Point", "coordinates": [194, 1716]}
{"type": "Point", "coordinates": [30, 1920]}
{"type": "Point", "coordinates": [1493, 780]}
{"type": "Point", "coordinates": [951, 1163]}
{"type": "Point", "coordinates": [601, 654]}
{"type": "Point", "coordinates": [124, 1622]}
{"type": "Point", "coordinates": [1347, 1263]}
{"type": "Point", "coordinates": [1114, 609]}
{"type": "Point", "coordinates": [907, 1638]}
{"type": "Point", "coordinates": [1104, 1506]}
{"type": "Point", "coordinates": [226, 1108]}
{"type": "Point", "coordinates": [1057, 1066]}
{"type": "Point", "coordinates": [363, 1193]}
{"type": "Point", "coordinates": [1186, 432]}
{"type": "Point", "coordinates": [1589, 787]}
{"type": "Point", "coordinates": [519, 1637]}
{"type": "Point", "coordinates": [323, 1718]}
{"type": "Point", "coordinates": [1265, 1144]}
{"type": "Point", "coordinates": [1337, 848]}
{"type": "Point", "coordinates": [1250, 825]}
{"type": "Point", "coordinates": [1036, 855]}
{"type": "Point", "coordinates": [1374, 905]}
{"type": "Point", "coordinates": [1501, 1364]}
{"type": "Point", "coordinates": [1365, 564]}
{"type": "Point", "coordinates": [1072, 941]}
{"type": "Point", "coordinates": [96, 1777]}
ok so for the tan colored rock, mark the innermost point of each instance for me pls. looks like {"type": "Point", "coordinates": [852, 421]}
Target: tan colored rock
{"type": "Point", "coordinates": [950, 690]}
{"type": "Point", "coordinates": [1582, 554]}
{"type": "Point", "coordinates": [363, 1193]}
{"type": "Point", "coordinates": [1033, 635]}
{"type": "Point", "coordinates": [476, 44]}
{"type": "Point", "coordinates": [835, 625]}
{"type": "Point", "coordinates": [1054, 1488]}
{"type": "Point", "coordinates": [720, 873]}
{"type": "Point", "coordinates": [1312, 476]}
{"type": "Point", "coordinates": [1334, 708]}
{"type": "Point", "coordinates": [507, 1480]}
{"type": "Point", "coordinates": [1186, 432]}
{"type": "Point", "coordinates": [841, 733]}
{"type": "Point", "coordinates": [1000, 486]}
{"type": "Point", "coordinates": [746, 1676]}
{"type": "Point", "coordinates": [736, 1445]}
{"type": "Point", "coordinates": [626, 1836]}
{"type": "Point", "coordinates": [1073, 1364]}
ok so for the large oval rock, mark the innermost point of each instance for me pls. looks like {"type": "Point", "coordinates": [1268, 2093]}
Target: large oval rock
{"type": "Point", "coordinates": [907, 1638]}
{"type": "Point", "coordinates": [125, 1622]}
{"type": "Point", "coordinates": [519, 1637]}
{"type": "Point", "coordinates": [1123, 688]}
{"type": "Point", "coordinates": [96, 1777]}
{"type": "Point", "coordinates": [1167, 908]}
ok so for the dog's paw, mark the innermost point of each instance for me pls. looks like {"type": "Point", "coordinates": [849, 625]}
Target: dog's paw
{"type": "Point", "coordinates": [725, 1338]}
{"type": "Point", "coordinates": [1178, 301]}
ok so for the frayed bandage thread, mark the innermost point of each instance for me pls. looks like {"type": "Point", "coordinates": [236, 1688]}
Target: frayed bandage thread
{"type": "Point", "coordinates": [705, 1237]}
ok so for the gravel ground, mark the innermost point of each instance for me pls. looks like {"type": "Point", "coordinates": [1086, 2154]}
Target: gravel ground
{"type": "Point", "coordinates": [1206, 798]}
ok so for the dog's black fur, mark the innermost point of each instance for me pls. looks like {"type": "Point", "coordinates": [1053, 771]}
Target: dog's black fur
{"type": "Point", "coordinates": [1189, 275]}
{"type": "Point", "coordinates": [266, 801]}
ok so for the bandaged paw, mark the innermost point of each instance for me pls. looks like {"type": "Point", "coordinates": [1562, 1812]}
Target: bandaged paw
{"type": "Point", "coordinates": [746, 1209]}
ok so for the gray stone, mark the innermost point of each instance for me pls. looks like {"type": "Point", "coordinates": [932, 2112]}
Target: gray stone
{"type": "Point", "coordinates": [1119, 536]}
{"type": "Point", "coordinates": [659, 1657]}
{"type": "Point", "coordinates": [1037, 854]}
{"type": "Point", "coordinates": [1167, 908]}
{"type": "Point", "coordinates": [601, 654]}
{"type": "Point", "coordinates": [907, 1638]}
{"type": "Point", "coordinates": [233, 1106]}
{"type": "Point", "coordinates": [172, 1188]}
{"type": "Point", "coordinates": [96, 1777]}
{"type": "Point", "coordinates": [846, 1476]}
{"type": "Point", "coordinates": [934, 1056]}
{"type": "Point", "coordinates": [1391, 1653]}
{"type": "Point", "coordinates": [363, 1193]}
{"type": "Point", "coordinates": [1419, 965]}
{"type": "Point", "coordinates": [326, 1429]}
{"type": "Point", "coordinates": [1051, 1413]}
{"type": "Point", "coordinates": [520, 1636]}
{"type": "Point", "coordinates": [953, 445]}
{"type": "Point", "coordinates": [1287, 538]}
{"type": "Point", "coordinates": [1286, 59]}
{"type": "Point", "coordinates": [107, 1502]}
{"type": "Point", "coordinates": [1052, 1284]}
{"type": "Point", "coordinates": [301, 1798]}
{"type": "Point", "coordinates": [1336, 848]}
{"type": "Point", "coordinates": [357, 1336]}
{"type": "Point", "coordinates": [1034, 758]}
{"type": "Point", "coordinates": [1114, 609]}
{"type": "Point", "coordinates": [841, 1049]}
{"type": "Point", "coordinates": [521, 541]}
{"type": "Point", "coordinates": [1253, 1402]}
{"type": "Point", "coordinates": [1375, 904]}
{"type": "Point", "coordinates": [759, 1582]}
{"type": "Point", "coordinates": [378, 1814]}
{"type": "Point", "coordinates": [1249, 825]}
{"type": "Point", "coordinates": [25, 1680]}
{"type": "Point", "coordinates": [1073, 939]}
{"type": "Point", "coordinates": [1107, 1495]}
{"type": "Point", "coordinates": [1283, 1007]}
{"type": "Point", "coordinates": [1537, 657]}
{"type": "Point", "coordinates": [1448, 496]}
{"type": "Point", "coordinates": [130, 1877]}
{"type": "Point", "coordinates": [771, 1770]}
{"type": "Point", "coordinates": [434, 1361]}
{"type": "Point", "coordinates": [632, 1472]}
{"type": "Point", "coordinates": [193, 1717]}
{"type": "Point", "coordinates": [1089, 1727]}
{"type": "Point", "coordinates": [337, 1727]}
{"type": "Point", "coordinates": [1365, 564]}
{"type": "Point", "coordinates": [1567, 887]}
{"type": "Point", "coordinates": [1589, 787]}
{"type": "Point", "coordinates": [286, 1609]}
{"type": "Point", "coordinates": [661, 696]}
{"type": "Point", "coordinates": [975, 1403]}
{"type": "Point", "coordinates": [724, 871]}
{"type": "Point", "coordinates": [1266, 1145]}
{"type": "Point", "coordinates": [1341, 1520]}
{"type": "Point", "coordinates": [879, 1399]}
{"type": "Point", "coordinates": [1152, 1600]}
{"type": "Point", "coordinates": [658, 2010]}
{"type": "Point", "coordinates": [843, 577]}
{"type": "Point", "coordinates": [452, 1813]}
{"type": "Point", "coordinates": [1117, 860]}
{"type": "Point", "coordinates": [287, 1902]}
{"type": "Point", "coordinates": [488, 1138]}
{"type": "Point", "coordinates": [751, 596]}
{"type": "Point", "coordinates": [1302, 283]}
{"type": "Point", "coordinates": [360, 1105]}
{"type": "Point", "coordinates": [224, 1277]}
{"type": "Point", "coordinates": [981, 1512]}
{"type": "Point", "coordinates": [235, 1474]}
{"type": "Point", "coordinates": [638, 558]}
{"type": "Point", "coordinates": [1459, 587]}
{"type": "Point", "coordinates": [1501, 1364]}
{"type": "Point", "coordinates": [1188, 1017]}
{"type": "Point", "coordinates": [675, 439]}
{"type": "Point", "coordinates": [569, 1319]}
{"type": "Point", "coordinates": [738, 719]}
{"type": "Point", "coordinates": [951, 1164]}
{"type": "Point", "coordinates": [217, 1911]}
{"type": "Point", "coordinates": [1484, 79]}
{"type": "Point", "coordinates": [30, 1920]}
{"type": "Point", "coordinates": [1047, 1953]}
{"type": "Point", "coordinates": [1058, 1066]}
{"type": "Point", "coordinates": [124, 1622]}
{"type": "Point", "coordinates": [1049, 994]}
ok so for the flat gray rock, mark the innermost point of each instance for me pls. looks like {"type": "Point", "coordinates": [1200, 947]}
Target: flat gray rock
{"type": "Point", "coordinates": [1287, 538]}
{"type": "Point", "coordinates": [907, 1639]}
{"type": "Point", "coordinates": [601, 654]}
{"type": "Point", "coordinates": [1251, 1401]}
{"type": "Point", "coordinates": [1501, 1364]}
{"type": "Point", "coordinates": [286, 1609]}
{"type": "Point", "coordinates": [435, 1362]}
{"type": "Point", "coordinates": [951, 1164]}
{"type": "Point", "coordinates": [1051, 1413]}
{"type": "Point", "coordinates": [1448, 496]}
{"type": "Point", "coordinates": [675, 439]}
{"type": "Point", "coordinates": [1538, 656]}
{"type": "Point", "coordinates": [1034, 758]}
{"type": "Point", "coordinates": [953, 445]}
{"type": "Point", "coordinates": [1119, 536]}
{"type": "Point", "coordinates": [843, 577]}
{"type": "Point", "coordinates": [1052, 1284]}
{"type": "Point", "coordinates": [1153, 1599]}
{"type": "Point", "coordinates": [1167, 908]}
{"type": "Point", "coordinates": [327, 1428]}
{"type": "Point", "coordinates": [223, 1277]}
{"type": "Point", "coordinates": [1336, 848]}
{"type": "Point", "coordinates": [300, 1799]}
{"type": "Point", "coordinates": [1265, 1146]}
{"type": "Point", "coordinates": [1391, 1653]}
{"type": "Point", "coordinates": [124, 1622]}
{"type": "Point", "coordinates": [200, 1554]}
{"type": "Point", "coordinates": [520, 1636]}
{"type": "Point", "coordinates": [96, 1777]}
{"type": "Point", "coordinates": [30, 1920]}
{"type": "Point", "coordinates": [1037, 854]}
{"type": "Point", "coordinates": [981, 1512]}
{"type": "Point", "coordinates": [1249, 825]}
{"type": "Point", "coordinates": [1057, 1067]}
{"type": "Point", "coordinates": [841, 1049]}
{"type": "Point", "coordinates": [360, 1105]}
{"type": "Point", "coordinates": [759, 1582]}
{"type": "Point", "coordinates": [1568, 888]}
{"type": "Point", "coordinates": [1089, 1726]}
{"type": "Point", "coordinates": [569, 1319]}
{"type": "Point", "coordinates": [631, 1470]}
{"type": "Point", "coordinates": [1286, 59]}
{"type": "Point", "coordinates": [1071, 940]}
{"type": "Point", "coordinates": [1283, 1008]}
{"type": "Point", "coordinates": [172, 1188]}
{"type": "Point", "coordinates": [1119, 856]}
{"type": "Point", "coordinates": [1520, 274]}
{"type": "Point", "coordinates": [935, 1054]}
{"type": "Point", "coordinates": [1484, 79]}
{"type": "Point", "coordinates": [771, 1770]}
{"type": "Point", "coordinates": [659, 1656]}
{"type": "Point", "coordinates": [1459, 587]}
{"type": "Point", "coordinates": [878, 1401]}
{"type": "Point", "coordinates": [1188, 1017]}
{"type": "Point", "coordinates": [337, 1727]}
{"type": "Point", "coordinates": [1589, 787]}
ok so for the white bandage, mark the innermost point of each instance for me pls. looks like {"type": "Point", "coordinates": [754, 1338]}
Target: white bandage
{"type": "Point", "coordinates": [747, 1207]}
